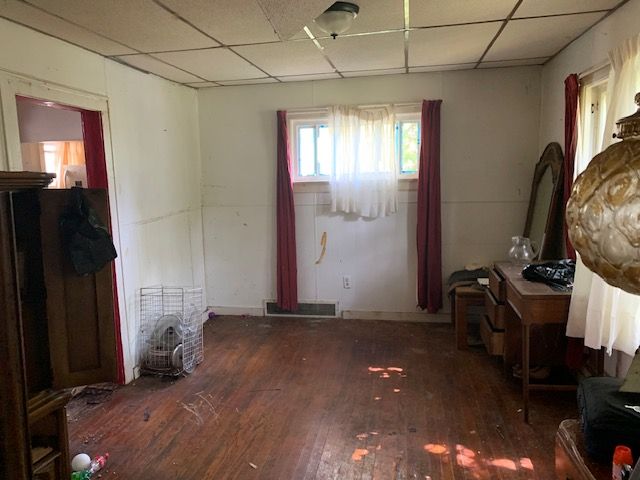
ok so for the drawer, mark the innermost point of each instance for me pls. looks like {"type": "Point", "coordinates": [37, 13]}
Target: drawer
{"type": "Point", "coordinates": [493, 339]}
{"type": "Point", "coordinates": [497, 285]}
{"type": "Point", "coordinates": [495, 311]}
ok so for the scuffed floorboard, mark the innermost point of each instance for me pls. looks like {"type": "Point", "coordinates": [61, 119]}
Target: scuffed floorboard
{"type": "Point", "coordinates": [325, 399]}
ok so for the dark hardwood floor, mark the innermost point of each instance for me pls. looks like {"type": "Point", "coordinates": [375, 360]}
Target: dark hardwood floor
{"type": "Point", "coordinates": [325, 399]}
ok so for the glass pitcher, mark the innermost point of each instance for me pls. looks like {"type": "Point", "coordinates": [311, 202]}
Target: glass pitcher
{"type": "Point", "coordinates": [521, 251]}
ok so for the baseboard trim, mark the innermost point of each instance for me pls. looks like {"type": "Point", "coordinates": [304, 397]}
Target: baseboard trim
{"type": "Point", "coordinates": [252, 311]}
{"type": "Point", "coordinates": [419, 317]}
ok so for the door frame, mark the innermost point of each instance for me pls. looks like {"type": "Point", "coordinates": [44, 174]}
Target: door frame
{"type": "Point", "coordinates": [12, 86]}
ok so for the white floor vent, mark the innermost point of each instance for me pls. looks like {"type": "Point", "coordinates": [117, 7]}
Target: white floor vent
{"type": "Point", "coordinates": [317, 309]}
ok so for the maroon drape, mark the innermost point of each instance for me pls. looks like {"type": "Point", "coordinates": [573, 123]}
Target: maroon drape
{"type": "Point", "coordinates": [429, 228]}
{"type": "Point", "coordinates": [575, 346]}
{"type": "Point", "coordinates": [571, 91]}
{"type": "Point", "coordinates": [96, 165]}
{"type": "Point", "coordinates": [287, 272]}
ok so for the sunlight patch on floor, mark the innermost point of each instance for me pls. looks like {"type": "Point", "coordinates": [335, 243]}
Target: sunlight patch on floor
{"type": "Point", "coordinates": [471, 460]}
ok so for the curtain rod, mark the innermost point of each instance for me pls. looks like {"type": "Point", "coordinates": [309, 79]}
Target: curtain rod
{"type": "Point", "coordinates": [376, 105]}
{"type": "Point", "coordinates": [594, 69]}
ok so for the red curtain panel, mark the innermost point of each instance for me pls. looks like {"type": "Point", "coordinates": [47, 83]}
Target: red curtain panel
{"type": "Point", "coordinates": [571, 92]}
{"type": "Point", "coordinates": [287, 272]}
{"type": "Point", "coordinates": [96, 165]}
{"type": "Point", "coordinates": [429, 227]}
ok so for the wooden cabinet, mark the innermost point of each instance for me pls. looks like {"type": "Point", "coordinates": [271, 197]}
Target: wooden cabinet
{"type": "Point", "coordinates": [56, 330]}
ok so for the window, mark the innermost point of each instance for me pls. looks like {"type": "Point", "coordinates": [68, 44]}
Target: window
{"type": "Point", "coordinates": [593, 116]}
{"type": "Point", "coordinates": [312, 149]}
{"type": "Point", "coordinates": [408, 145]}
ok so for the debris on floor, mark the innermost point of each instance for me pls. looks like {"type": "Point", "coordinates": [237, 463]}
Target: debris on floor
{"type": "Point", "coordinates": [98, 393]}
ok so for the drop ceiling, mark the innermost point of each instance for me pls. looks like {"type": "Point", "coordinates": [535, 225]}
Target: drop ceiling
{"type": "Point", "coordinates": [210, 43]}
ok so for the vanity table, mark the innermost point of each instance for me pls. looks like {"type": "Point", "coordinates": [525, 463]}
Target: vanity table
{"type": "Point", "coordinates": [527, 303]}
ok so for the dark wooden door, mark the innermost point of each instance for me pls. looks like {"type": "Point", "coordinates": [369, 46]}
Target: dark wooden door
{"type": "Point", "coordinates": [80, 312]}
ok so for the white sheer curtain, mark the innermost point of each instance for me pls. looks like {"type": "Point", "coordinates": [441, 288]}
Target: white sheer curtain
{"type": "Point", "coordinates": [602, 314]}
{"type": "Point", "coordinates": [364, 177]}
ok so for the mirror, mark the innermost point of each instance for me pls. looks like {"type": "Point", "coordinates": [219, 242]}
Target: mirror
{"type": "Point", "coordinates": [544, 224]}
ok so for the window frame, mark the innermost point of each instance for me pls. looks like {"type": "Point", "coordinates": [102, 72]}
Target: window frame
{"type": "Point", "coordinates": [294, 123]}
{"type": "Point", "coordinates": [592, 107]}
{"type": "Point", "coordinates": [295, 120]}
{"type": "Point", "coordinates": [407, 117]}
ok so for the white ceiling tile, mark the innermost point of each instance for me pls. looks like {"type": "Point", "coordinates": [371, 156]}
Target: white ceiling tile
{"type": "Point", "coordinates": [202, 84]}
{"type": "Point", "coordinates": [150, 64]}
{"type": "Point", "coordinates": [514, 63]}
{"type": "Point", "coordinates": [448, 12]}
{"type": "Point", "coordinates": [287, 58]}
{"type": "Point", "coordinates": [212, 64]}
{"type": "Point", "coordinates": [374, 16]}
{"type": "Point", "coordinates": [539, 37]}
{"type": "Point", "coordinates": [366, 52]}
{"type": "Point", "coordinates": [35, 18]}
{"type": "Point", "coordinates": [229, 22]}
{"type": "Point", "coordinates": [442, 68]}
{"type": "Point", "coordinates": [304, 78]}
{"type": "Point", "coordinates": [369, 73]}
{"type": "Point", "coordinates": [533, 8]}
{"type": "Point", "coordinates": [289, 16]}
{"type": "Point", "coordinates": [250, 81]}
{"type": "Point", "coordinates": [448, 45]}
{"type": "Point", "coordinates": [139, 24]}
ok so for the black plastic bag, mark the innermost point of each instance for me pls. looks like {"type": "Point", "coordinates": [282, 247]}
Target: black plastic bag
{"type": "Point", "coordinates": [558, 274]}
{"type": "Point", "coordinates": [84, 236]}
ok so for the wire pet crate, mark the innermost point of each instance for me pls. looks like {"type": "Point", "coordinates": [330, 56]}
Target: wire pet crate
{"type": "Point", "coordinates": [170, 335]}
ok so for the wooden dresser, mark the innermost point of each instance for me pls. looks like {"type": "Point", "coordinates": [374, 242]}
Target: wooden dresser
{"type": "Point", "coordinates": [492, 326]}
{"type": "Point", "coordinates": [56, 328]}
{"type": "Point", "coordinates": [514, 305]}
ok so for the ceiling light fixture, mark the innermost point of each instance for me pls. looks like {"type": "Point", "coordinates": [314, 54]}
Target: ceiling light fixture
{"type": "Point", "coordinates": [337, 18]}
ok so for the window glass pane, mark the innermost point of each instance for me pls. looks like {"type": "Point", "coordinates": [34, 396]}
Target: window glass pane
{"type": "Point", "coordinates": [324, 151]}
{"type": "Point", "coordinates": [306, 151]}
{"type": "Point", "coordinates": [409, 145]}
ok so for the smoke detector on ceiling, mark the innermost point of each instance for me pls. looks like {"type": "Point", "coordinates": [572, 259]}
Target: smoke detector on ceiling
{"type": "Point", "coordinates": [338, 18]}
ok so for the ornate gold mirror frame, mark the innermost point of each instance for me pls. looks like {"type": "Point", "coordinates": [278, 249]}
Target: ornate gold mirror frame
{"type": "Point", "coordinates": [550, 247]}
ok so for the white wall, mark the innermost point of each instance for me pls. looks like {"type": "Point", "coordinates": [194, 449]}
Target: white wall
{"type": "Point", "coordinates": [154, 160]}
{"type": "Point", "coordinates": [590, 50]}
{"type": "Point", "coordinates": [490, 121]}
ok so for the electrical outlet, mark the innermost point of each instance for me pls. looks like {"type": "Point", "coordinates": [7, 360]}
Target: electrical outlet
{"type": "Point", "coordinates": [346, 281]}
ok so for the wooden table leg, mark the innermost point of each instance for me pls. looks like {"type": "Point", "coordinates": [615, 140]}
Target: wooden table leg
{"type": "Point", "coordinates": [461, 323]}
{"type": "Point", "coordinates": [526, 330]}
{"type": "Point", "coordinates": [452, 299]}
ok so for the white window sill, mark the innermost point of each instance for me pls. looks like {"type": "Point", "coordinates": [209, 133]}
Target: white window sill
{"type": "Point", "coordinates": [404, 184]}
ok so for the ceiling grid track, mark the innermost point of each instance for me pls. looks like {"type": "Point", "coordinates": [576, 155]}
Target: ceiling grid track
{"type": "Point", "coordinates": [77, 25]}
{"type": "Point", "coordinates": [500, 30]}
{"type": "Point", "coordinates": [321, 49]}
{"type": "Point", "coordinates": [605, 16]}
{"type": "Point", "coordinates": [506, 47]}
{"type": "Point", "coordinates": [222, 45]}
{"type": "Point", "coordinates": [407, 25]}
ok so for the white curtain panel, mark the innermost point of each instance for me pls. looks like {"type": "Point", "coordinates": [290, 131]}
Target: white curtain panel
{"type": "Point", "coordinates": [364, 178]}
{"type": "Point", "coordinates": [604, 315]}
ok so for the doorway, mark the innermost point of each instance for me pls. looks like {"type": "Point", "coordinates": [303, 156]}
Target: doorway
{"type": "Point", "coordinates": [67, 141]}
